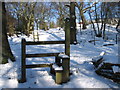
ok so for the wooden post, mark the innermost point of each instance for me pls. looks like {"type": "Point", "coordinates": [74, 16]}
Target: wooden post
{"type": "Point", "coordinates": [66, 69]}
{"type": "Point", "coordinates": [67, 36]}
{"type": "Point", "coordinates": [23, 63]}
{"type": "Point", "coordinates": [73, 39]}
{"type": "Point", "coordinates": [66, 61]}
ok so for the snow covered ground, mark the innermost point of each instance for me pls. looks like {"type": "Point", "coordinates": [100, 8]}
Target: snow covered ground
{"type": "Point", "coordinates": [84, 75]}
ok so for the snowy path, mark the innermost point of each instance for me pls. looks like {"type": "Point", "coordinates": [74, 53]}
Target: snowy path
{"type": "Point", "coordinates": [81, 55]}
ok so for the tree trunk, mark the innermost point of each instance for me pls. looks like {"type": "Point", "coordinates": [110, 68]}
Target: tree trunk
{"type": "Point", "coordinates": [104, 29]}
{"type": "Point", "coordinates": [102, 22]}
{"type": "Point", "coordinates": [92, 23]}
{"type": "Point", "coordinates": [102, 17]}
{"type": "Point", "coordinates": [37, 25]}
{"type": "Point", "coordinates": [28, 27]}
{"type": "Point", "coordinates": [82, 15]}
{"type": "Point", "coordinates": [6, 51]}
{"type": "Point", "coordinates": [105, 21]}
{"type": "Point", "coordinates": [99, 34]}
{"type": "Point", "coordinates": [83, 20]}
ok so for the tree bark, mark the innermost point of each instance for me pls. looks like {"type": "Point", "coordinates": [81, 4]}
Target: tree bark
{"type": "Point", "coordinates": [6, 51]}
{"type": "Point", "coordinates": [101, 13]}
{"type": "Point", "coordinates": [80, 7]}
{"type": "Point", "coordinates": [105, 22]}
{"type": "Point", "coordinates": [99, 34]}
{"type": "Point", "coordinates": [83, 20]}
{"type": "Point", "coordinates": [92, 22]}
{"type": "Point", "coordinates": [82, 15]}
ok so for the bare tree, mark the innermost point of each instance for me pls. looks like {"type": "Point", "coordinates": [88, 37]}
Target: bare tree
{"type": "Point", "coordinates": [82, 9]}
{"type": "Point", "coordinates": [89, 12]}
{"type": "Point", "coordinates": [61, 12]}
{"type": "Point", "coordinates": [43, 14]}
{"type": "Point", "coordinates": [24, 13]}
{"type": "Point", "coordinates": [99, 34]}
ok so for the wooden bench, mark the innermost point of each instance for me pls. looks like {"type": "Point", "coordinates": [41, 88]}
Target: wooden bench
{"type": "Point", "coordinates": [106, 69]}
{"type": "Point", "coordinates": [98, 59]}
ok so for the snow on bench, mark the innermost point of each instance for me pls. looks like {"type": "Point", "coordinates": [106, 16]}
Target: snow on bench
{"type": "Point", "coordinates": [115, 69]}
{"type": "Point", "coordinates": [62, 55]}
{"type": "Point", "coordinates": [56, 67]}
{"type": "Point", "coordinates": [98, 59]}
{"type": "Point", "coordinates": [102, 53]}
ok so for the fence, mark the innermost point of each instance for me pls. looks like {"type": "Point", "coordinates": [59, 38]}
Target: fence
{"type": "Point", "coordinates": [64, 73]}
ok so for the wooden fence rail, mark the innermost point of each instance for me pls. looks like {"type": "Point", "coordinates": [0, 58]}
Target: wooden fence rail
{"type": "Point", "coordinates": [38, 65]}
{"type": "Point", "coordinates": [44, 42]}
{"type": "Point", "coordinates": [41, 55]}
